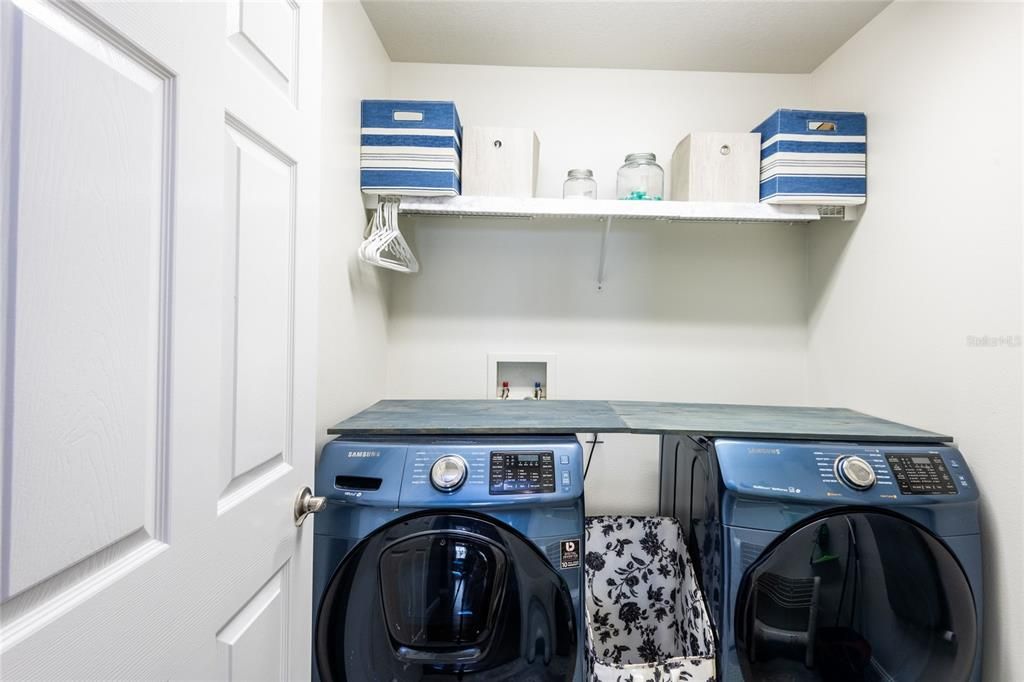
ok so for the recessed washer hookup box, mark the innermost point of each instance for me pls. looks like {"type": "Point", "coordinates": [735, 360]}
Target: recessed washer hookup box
{"type": "Point", "coordinates": [814, 157]}
{"type": "Point", "coordinates": [410, 148]}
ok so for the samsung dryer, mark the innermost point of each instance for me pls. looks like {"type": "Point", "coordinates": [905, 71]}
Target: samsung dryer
{"type": "Point", "coordinates": [449, 559]}
{"type": "Point", "coordinates": [833, 561]}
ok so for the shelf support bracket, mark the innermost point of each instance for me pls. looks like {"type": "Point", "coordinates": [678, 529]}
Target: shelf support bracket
{"type": "Point", "coordinates": [604, 252]}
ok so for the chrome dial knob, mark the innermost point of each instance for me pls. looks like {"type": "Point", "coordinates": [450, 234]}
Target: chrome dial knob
{"type": "Point", "coordinates": [855, 472]}
{"type": "Point", "coordinates": [448, 473]}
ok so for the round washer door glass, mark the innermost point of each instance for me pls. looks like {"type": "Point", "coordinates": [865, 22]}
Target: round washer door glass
{"type": "Point", "coordinates": [446, 596]}
{"type": "Point", "coordinates": [856, 596]}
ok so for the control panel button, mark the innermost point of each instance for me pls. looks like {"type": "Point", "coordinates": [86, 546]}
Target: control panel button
{"type": "Point", "coordinates": [855, 472]}
{"type": "Point", "coordinates": [566, 479]}
{"type": "Point", "coordinates": [448, 473]}
{"type": "Point", "coordinates": [563, 459]}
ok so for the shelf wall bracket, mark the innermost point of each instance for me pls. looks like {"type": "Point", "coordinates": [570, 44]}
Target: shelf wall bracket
{"type": "Point", "coordinates": [604, 252]}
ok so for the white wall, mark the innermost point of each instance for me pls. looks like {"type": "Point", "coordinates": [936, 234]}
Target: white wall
{"type": "Point", "coordinates": [935, 259]}
{"type": "Point", "coordinates": [690, 312]}
{"type": "Point", "coordinates": [353, 318]}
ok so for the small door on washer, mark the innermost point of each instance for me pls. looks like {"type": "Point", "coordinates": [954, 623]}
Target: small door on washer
{"type": "Point", "coordinates": [856, 596]}
{"type": "Point", "coordinates": [446, 596]}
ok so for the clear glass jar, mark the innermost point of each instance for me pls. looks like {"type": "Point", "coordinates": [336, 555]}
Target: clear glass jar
{"type": "Point", "coordinates": [640, 178]}
{"type": "Point", "coordinates": [580, 184]}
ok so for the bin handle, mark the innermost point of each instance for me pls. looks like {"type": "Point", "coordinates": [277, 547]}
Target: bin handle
{"type": "Point", "coordinates": [822, 126]}
{"type": "Point", "coordinates": [407, 115]}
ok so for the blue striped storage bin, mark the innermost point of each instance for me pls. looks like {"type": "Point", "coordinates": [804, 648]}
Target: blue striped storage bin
{"type": "Point", "coordinates": [410, 148]}
{"type": "Point", "coordinates": [813, 157]}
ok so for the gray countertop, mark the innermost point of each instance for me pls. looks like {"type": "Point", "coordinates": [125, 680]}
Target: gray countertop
{"type": "Point", "coordinates": [406, 417]}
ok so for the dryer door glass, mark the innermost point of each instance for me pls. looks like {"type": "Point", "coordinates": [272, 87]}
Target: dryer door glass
{"type": "Point", "coordinates": [446, 596]}
{"type": "Point", "coordinates": [856, 596]}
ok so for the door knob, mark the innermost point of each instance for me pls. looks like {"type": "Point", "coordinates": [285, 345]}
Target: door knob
{"type": "Point", "coordinates": [306, 503]}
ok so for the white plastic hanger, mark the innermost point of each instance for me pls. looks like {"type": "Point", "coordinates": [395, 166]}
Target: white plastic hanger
{"type": "Point", "coordinates": [384, 245]}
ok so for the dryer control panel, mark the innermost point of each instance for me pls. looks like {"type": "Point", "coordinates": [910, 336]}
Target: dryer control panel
{"type": "Point", "coordinates": [838, 473]}
{"type": "Point", "coordinates": [924, 474]}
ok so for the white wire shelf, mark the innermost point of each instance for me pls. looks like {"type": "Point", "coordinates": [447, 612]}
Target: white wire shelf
{"type": "Point", "coordinates": [606, 210]}
{"type": "Point", "coordinates": [505, 207]}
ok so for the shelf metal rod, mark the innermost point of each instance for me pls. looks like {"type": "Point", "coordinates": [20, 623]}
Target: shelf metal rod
{"type": "Point", "coordinates": [604, 252]}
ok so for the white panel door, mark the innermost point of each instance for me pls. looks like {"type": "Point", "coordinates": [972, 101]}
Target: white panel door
{"type": "Point", "coordinates": [159, 201]}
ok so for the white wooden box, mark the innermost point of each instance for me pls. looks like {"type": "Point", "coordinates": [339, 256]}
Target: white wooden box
{"type": "Point", "coordinates": [717, 167]}
{"type": "Point", "coordinates": [499, 162]}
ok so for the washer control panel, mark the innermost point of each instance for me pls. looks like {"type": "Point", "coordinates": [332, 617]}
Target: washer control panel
{"type": "Point", "coordinates": [924, 474]}
{"type": "Point", "coordinates": [467, 471]}
{"type": "Point", "coordinates": [518, 472]}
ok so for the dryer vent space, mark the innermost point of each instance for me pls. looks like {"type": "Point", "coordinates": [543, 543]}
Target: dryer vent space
{"type": "Point", "coordinates": [520, 373]}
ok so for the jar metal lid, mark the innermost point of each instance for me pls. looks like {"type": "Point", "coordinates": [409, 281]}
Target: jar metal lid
{"type": "Point", "coordinates": [641, 156]}
{"type": "Point", "coordinates": [581, 173]}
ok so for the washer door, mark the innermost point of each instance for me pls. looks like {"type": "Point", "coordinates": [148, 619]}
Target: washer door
{"type": "Point", "coordinates": [453, 596]}
{"type": "Point", "coordinates": [856, 596]}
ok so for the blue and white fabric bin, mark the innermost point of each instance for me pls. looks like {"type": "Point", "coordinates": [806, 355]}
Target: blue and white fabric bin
{"type": "Point", "coordinates": [814, 157]}
{"type": "Point", "coordinates": [410, 148]}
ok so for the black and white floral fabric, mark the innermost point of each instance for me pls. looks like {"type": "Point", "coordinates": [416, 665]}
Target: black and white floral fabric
{"type": "Point", "coordinates": [646, 617]}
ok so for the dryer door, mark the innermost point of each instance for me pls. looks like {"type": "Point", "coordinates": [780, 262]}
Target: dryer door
{"type": "Point", "coordinates": [446, 595]}
{"type": "Point", "coordinates": [857, 595]}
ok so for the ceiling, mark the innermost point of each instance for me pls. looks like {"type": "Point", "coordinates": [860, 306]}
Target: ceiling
{"type": "Point", "coordinates": [763, 36]}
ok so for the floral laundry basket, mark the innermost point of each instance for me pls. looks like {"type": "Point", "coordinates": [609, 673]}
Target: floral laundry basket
{"type": "Point", "coordinates": [646, 616]}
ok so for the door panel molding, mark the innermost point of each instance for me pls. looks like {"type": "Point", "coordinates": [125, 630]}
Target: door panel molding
{"type": "Point", "coordinates": [41, 605]}
{"type": "Point", "coordinates": [251, 28]}
{"type": "Point", "coordinates": [260, 197]}
{"type": "Point", "coordinates": [263, 618]}
{"type": "Point", "coordinates": [63, 432]}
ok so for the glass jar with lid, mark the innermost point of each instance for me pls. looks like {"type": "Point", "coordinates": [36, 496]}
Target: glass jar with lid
{"type": "Point", "coordinates": [640, 178]}
{"type": "Point", "coordinates": [580, 184]}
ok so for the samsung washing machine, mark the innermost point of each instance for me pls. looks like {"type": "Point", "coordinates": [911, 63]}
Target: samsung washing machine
{"type": "Point", "coordinates": [832, 561]}
{"type": "Point", "coordinates": [449, 559]}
